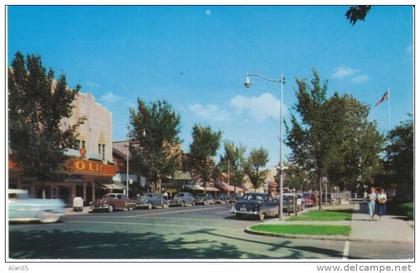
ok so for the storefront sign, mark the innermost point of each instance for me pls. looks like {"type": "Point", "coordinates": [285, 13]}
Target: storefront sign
{"type": "Point", "coordinates": [91, 167]}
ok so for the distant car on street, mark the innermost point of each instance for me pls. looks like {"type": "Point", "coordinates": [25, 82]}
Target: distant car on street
{"type": "Point", "coordinates": [256, 204]}
{"type": "Point", "coordinates": [151, 200]}
{"type": "Point", "coordinates": [204, 199]}
{"type": "Point", "coordinates": [182, 199]}
{"type": "Point", "coordinates": [221, 198]}
{"type": "Point", "coordinates": [113, 201]}
{"type": "Point", "coordinates": [24, 208]}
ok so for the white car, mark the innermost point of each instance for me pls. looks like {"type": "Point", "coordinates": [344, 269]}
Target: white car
{"type": "Point", "coordinates": [24, 208]}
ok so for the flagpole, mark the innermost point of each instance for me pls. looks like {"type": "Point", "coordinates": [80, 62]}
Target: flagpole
{"type": "Point", "coordinates": [389, 109]}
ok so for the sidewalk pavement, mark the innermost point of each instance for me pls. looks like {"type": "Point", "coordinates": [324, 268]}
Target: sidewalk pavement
{"type": "Point", "coordinates": [70, 211]}
{"type": "Point", "coordinates": [391, 228]}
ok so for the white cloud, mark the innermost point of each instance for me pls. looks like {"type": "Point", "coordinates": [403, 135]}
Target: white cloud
{"type": "Point", "coordinates": [360, 79]}
{"type": "Point", "coordinates": [209, 112]}
{"type": "Point", "coordinates": [110, 98]}
{"type": "Point", "coordinates": [258, 108]}
{"type": "Point", "coordinates": [343, 71]}
{"type": "Point", "coordinates": [207, 12]}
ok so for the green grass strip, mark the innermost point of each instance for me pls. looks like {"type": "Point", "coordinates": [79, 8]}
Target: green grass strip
{"type": "Point", "coordinates": [323, 215]}
{"type": "Point", "coordinates": [304, 229]}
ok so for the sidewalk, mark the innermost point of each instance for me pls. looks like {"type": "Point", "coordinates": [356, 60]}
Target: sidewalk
{"type": "Point", "coordinates": [391, 229]}
{"type": "Point", "coordinates": [70, 211]}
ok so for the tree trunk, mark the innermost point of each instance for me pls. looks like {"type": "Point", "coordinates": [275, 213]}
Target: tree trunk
{"type": "Point", "coordinates": [320, 191]}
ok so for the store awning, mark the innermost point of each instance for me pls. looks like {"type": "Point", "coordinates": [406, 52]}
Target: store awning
{"type": "Point", "coordinates": [194, 187]}
{"type": "Point", "coordinates": [211, 189]}
{"type": "Point", "coordinates": [111, 186]}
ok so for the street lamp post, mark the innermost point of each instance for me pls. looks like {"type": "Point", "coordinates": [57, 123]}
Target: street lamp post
{"type": "Point", "coordinates": [128, 158]}
{"type": "Point", "coordinates": [281, 82]}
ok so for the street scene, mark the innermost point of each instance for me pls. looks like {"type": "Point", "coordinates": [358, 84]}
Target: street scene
{"type": "Point", "coordinates": [210, 133]}
{"type": "Point", "coordinates": [194, 232]}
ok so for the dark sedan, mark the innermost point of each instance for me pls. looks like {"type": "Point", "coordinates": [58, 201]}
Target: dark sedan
{"type": "Point", "coordinates": [256, 204]}
{"type": "Point", "coordinates": [151, 200]}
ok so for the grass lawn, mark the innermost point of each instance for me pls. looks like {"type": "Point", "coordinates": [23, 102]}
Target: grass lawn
{"type": "Point", "coordinates": [323, 215]}
{"type": "Point", "coordinates": [304, 229]}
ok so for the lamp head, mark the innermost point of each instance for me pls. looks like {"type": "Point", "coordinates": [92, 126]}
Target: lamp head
{"type": "Point", "coordinates": [247, 82]}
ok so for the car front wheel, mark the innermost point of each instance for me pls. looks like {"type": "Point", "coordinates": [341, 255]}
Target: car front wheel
{"type": "Point", "coordinates": [48, 217]}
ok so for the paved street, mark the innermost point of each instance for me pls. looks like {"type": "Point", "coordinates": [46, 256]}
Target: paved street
{"type": "Point", "coordinates": [198, 232]}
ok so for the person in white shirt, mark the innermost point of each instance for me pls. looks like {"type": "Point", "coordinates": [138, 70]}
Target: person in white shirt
{"type": "Point", "coordinates": [371, 198]}
{"type": "Point", "coordinates": [381, 200]}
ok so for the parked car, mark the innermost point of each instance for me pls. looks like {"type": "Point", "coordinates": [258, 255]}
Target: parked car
{"type": "Point", "coordinates": [204, 199]}
{"type": "Point", "coordinates": [182, 199]}
{"type": "Point", "coordinates": [300, 204]}
{"type": "Point", "coordinates": [308, 199]}
{"type": "Point", "coordinates": [234, 197]}
{"type": "Point", "coordinates": [151, 200]}
{"type": "Point", "coordinates": [24, 208]}
{"type": "Point", "coordinates": [256, 204]}
{"type": "Point", "coordinates": [221, 198]}
{"type": "Point", "coordinates": [113, 201]}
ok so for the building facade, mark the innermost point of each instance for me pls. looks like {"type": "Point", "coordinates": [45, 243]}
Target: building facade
{"type": "Point", "coordinates": [90, 169]}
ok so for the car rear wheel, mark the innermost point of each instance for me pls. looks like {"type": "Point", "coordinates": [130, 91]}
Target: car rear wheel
{"type": "Point", "coordinates": [111, 208]}
{"type": "Point", "coordinates": [48, 217]}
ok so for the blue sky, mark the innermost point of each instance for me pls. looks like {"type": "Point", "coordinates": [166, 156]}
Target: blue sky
{"type": "Point", "coordinates": [197, 57]}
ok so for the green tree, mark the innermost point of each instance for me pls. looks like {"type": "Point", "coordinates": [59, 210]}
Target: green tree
{"type": "Point", "coordinates": [308, 137]}
{"type": "Point", "coordinates": [155, 146]}
{"type": "Point", "coordinates": [333, 137]}
{"type": "Point", "coordinates": [232, 163]}
{"type": "Point", "coordinates": [37, 104]}
{"type": "Point", "coordinates": [296, 178]}
{"type": "Point", "coordinates": [355, 142]}
{"type": "Point", "coordinates": [400, 158]}
{"type": "Point", "coordinates": [258, 159]}
{"type": "Point", "coordinates": [357, 13]}
{"type": "Point", "coordinates": [202, 150]}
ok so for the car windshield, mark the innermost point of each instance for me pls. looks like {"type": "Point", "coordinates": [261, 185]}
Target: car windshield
{"type": "Point", "coordinates": [179, 195]}
{"type": "Point", "coordinates": [254, 197]}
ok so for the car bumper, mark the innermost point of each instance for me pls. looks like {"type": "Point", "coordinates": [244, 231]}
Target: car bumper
{"type": "Point", "coordinates": [244, 212]}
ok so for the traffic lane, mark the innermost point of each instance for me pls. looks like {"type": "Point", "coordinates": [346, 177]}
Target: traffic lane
{"type": "Point", "coordinates": [381, 250]}
{"type": "Point", "coordinates": [133, 240]}
{"type": "Point", "coordinates": [201, 216]}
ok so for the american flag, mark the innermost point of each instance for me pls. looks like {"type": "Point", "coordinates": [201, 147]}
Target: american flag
{"type": "Point", "coordinates": [384, 98]}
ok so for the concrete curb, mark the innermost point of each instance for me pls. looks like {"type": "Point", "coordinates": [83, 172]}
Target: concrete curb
{"type": "Point", "coordinates": [297, 236]}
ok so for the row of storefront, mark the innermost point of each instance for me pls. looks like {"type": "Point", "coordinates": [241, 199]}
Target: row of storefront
{"type": "Point", "coordinates": [99, 166]}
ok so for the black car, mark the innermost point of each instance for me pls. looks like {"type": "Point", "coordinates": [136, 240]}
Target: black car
{"type": "Point", "coordinates": [204, 199]}
{"type": "Point", "coordinates": [257, 204]}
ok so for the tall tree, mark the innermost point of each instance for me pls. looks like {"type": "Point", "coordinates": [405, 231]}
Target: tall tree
{"type": "Point", "coordinates": [400, 158]}
{"type": "Point", "coordinates": [308, 137]}
{"type": "Point", "coordinates": [334, 137]}
{"type": "Point", "coordinates": [155, 146]}
{"type": "Point", "coordinates": [37, 104]}
{"type": "Point", "coordinates": [355, 142]}
{"type": "Point", "coordinates": [232, 163]}
{"type": "Point", "coordinates": [202, 150]}
{"type": "Point", "coordinates": [258, 159]}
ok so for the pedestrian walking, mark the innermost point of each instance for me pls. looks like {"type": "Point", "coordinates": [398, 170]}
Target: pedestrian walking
{"type": "Point", "coordinates": [371, 198]}
{"type": "Point", "coordinates": [381, 200]}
